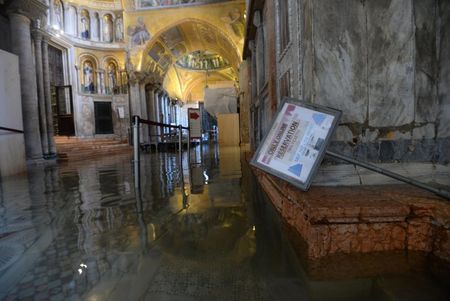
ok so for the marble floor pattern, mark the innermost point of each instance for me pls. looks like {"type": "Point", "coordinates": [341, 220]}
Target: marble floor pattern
{"type": "Point", "coordinates": [79, 231]}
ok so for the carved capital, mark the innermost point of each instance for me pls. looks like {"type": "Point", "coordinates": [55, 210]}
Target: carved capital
{"type": "Point", "coordinates": [32, 9]}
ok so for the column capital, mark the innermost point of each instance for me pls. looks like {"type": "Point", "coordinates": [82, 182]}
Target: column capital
{"type": "Point", "coordinates": [38, 34]}
{"type": "Point", "coordinates": [32, 9]}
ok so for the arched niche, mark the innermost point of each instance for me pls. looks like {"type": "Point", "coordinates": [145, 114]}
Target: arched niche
{"type": "Point", "coordinates": [88, 74]}
{"type": "Point", "coordinates": [95, 32]}
{"type": "Point", "coordinates": [72, 21]}
{"type": "Point", "coordinates": [57, 14]}
{"type": "Point", "coordinates": [113, 77]}
{"type": "Point", "coordinates": [107, 30]}
{"type": "Point", "coordinates": [118, 29]}
{"type": "Point", "coordinates": [85, 25]}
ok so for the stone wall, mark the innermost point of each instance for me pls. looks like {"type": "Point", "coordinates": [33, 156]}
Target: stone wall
{"type": "Point", "coordinates": [85, 118]}
{"type": "Point", "coordinates": [384, 63]}
{"type": "Point", "coordinates": [346, 220]}
{"type": "Point", "coordinates": [378, 62]}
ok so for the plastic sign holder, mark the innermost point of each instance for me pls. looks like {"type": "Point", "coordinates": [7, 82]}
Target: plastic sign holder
{"type": "Point", "coordinates": [297, 141]}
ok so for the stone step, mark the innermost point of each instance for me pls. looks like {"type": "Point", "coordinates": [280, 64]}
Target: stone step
{"type": "Point", "coordinates": [74, 148]}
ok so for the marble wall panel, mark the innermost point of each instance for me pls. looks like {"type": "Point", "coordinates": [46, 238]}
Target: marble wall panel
{"type": "Point", "coordinates": [426, 104]}
{"type": "Point", "coordinates": [340, 77]}
{"type": "Point", "coordinates": [443, 129]}
{"type": "Point", "coordinates": [391, 45]}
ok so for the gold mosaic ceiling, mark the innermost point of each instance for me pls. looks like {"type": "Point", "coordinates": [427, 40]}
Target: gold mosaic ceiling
{"type": "Point", "coordinates": [180, 52]}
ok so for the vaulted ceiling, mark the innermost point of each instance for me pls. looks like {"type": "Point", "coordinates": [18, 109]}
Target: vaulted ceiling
{"type": "Point", "coordinates": [192, 39]}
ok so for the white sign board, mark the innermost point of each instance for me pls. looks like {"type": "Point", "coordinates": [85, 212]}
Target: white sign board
{"type": "Point", "coordinates": [195, 123]}
{"type": "Point", "coordinates": [121, 112]}
{"type": "Point", "coordinates": [296, 142]}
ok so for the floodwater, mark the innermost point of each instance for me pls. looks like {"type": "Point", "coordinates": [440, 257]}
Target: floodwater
{"type": "Point", "coordinates": [78, 231]}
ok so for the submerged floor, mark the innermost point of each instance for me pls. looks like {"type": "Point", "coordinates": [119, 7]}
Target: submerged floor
{"type": "Point", "coordinates": [79, 231]}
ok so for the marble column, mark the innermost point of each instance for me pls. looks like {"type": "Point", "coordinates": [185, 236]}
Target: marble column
{"type": "Point", "coordinates": [37, 37]}
{"type": "Point", "coordinates": [100, 28]}
{"type": "Point", "coordinates": [152, 113]}
{"type": "Point", "coordinates": [99, 83]}
{"type": "Point", "coordinates": [48, 97]}
{"type": "Point", "coordinates": [144, 113]}
{"type": "Point", "coordinates": [21, 46]}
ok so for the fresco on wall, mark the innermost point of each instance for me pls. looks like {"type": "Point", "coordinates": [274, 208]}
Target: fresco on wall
{"type": "Point", "coordinates": [202, 61]}
{"type": "Point", "coordinates": [139, 33]}
{"type": "Point", "coordinates": [144, 4]}
{"type": "Point", "coordinates": [235, 21]}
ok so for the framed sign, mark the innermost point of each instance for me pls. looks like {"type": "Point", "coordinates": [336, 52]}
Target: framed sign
{"type": "Point", "coordinates": [296, 142]}
{"type": "Point", "coordinates": [195, 123]}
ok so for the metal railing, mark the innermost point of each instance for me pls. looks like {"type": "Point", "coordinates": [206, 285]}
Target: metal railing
{"type": "Point", "coordinates": [11, 130]}
{"type": "Point", "coordinates": [137, 121]}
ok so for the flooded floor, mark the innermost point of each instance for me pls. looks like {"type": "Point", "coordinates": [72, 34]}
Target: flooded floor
{"type": "Point", "coordinates": [204, 232]}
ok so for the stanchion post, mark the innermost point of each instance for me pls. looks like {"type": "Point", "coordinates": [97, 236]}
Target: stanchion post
{"type": "Point", "coordinates": [136, 158]}
{"type": "Point", "coordinates": [180, 143]}
{"type": "Point", "coordinates": [189, 147]}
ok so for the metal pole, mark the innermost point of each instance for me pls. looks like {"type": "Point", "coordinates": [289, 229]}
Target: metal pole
{"type": "Point", "coordinates": [201, 150]}
{"type": "Point", "coordinates": [136, 161]}
{"type": "Point", "coordinates": [180, 144]}
{"type": "Point", "coordinates": [437, 191]}
{"type": "Point", "coordinates": [189, 147]}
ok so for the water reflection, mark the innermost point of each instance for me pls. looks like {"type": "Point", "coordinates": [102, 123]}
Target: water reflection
{"type": "Point", "coordinates": [202, 232]}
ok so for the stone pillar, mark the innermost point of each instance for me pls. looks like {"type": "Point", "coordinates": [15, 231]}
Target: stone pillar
{"type": "Point", "coordinates": [37, 37]}
{"type": "Point", "coordinates": [100, 28]}
{"type": "Point", "coordinates": [151, 112]}
{"type": "Point", "coordinates": [21, 46]}
{"type": "Point", "coordinates": [48, 99]}
{"type": "Point", "coordinates": [157, 101]}
{"type": "Point", "coordinates": [144, 113]}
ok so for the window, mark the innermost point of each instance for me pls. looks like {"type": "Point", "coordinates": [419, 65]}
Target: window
{"type": "Point", "coordinates": [283, 19]}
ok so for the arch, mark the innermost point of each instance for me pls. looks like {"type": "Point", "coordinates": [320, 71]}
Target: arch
{"type": "Point", "coordinates": [86, 55]}
{"type": "Point", "coordinates": [159, 33]}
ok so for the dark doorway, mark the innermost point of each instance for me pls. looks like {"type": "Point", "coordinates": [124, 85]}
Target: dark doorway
{"type": "Point", "coordinates": [61, 95]}
{"type": "Point", "coordinates": [103, 118]}
{"type": "Point", "coordinates": [62, 107]}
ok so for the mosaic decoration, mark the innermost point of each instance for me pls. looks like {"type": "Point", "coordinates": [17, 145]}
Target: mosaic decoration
{"type": "Point", "coordinates": [202, 61]}
{"type": "Point", "coordinates": [145, 4]}
{"type": "Point", "coordinates": [139, 33]}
